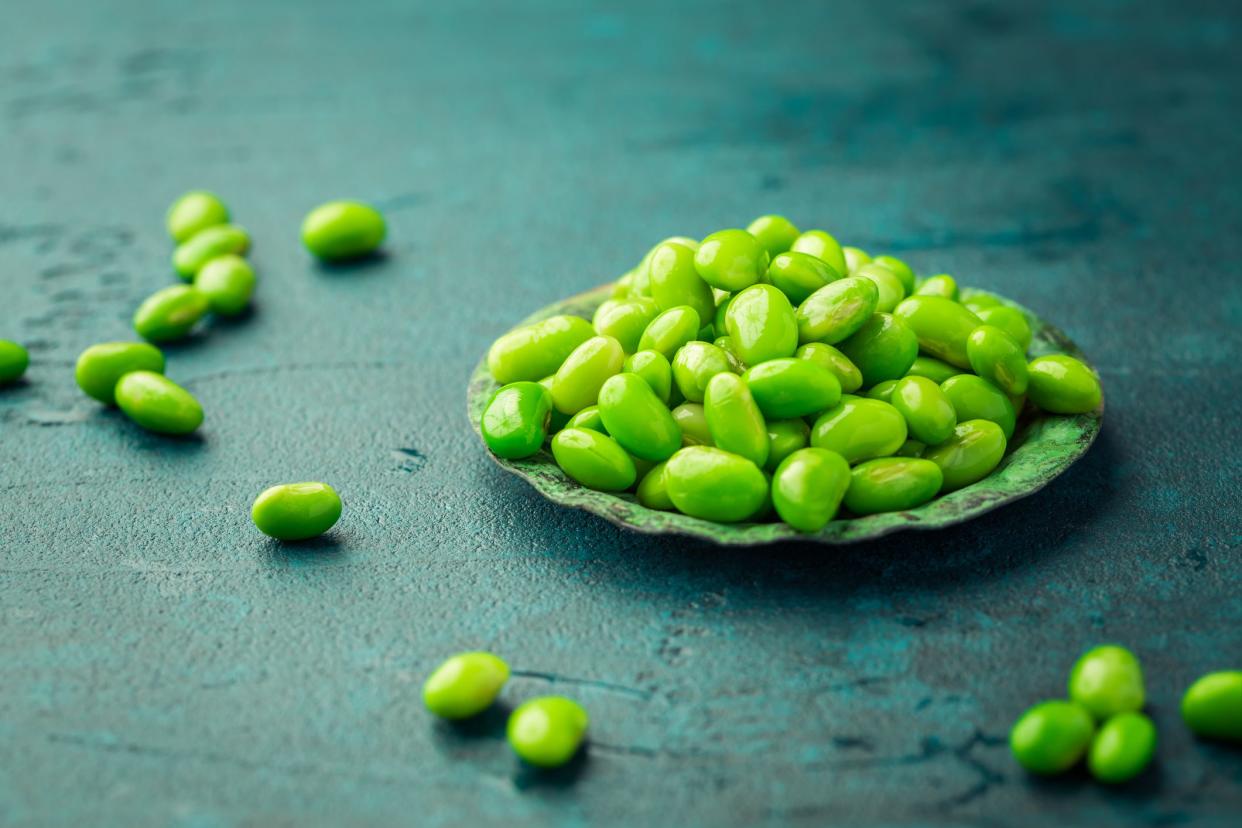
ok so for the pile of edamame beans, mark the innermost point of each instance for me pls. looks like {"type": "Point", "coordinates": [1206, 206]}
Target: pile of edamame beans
{"type": "Point", "coordinates": [769, 370]}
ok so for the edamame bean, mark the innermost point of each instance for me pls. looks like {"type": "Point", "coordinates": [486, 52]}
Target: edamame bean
{"type": "Point", "coordinates": [714, 484]}
{"type": "Point", "coordinates": [859, 429]}
{"type": "Point", "coordinates": [798, 275]}
{"type": "Point", "coordinates": [294, 511]}
{"type": "Point", "coordinates": [929, 413]}
{"type": "Point", "coordinates": [900, 269]}
{"type": "Point", "coordinates": [725, 343]}
{"type": "Point", "coordinates": [1122, 748]}
{"type": "Point", "coordinates": [1010, 320]}
{"type": "Point", "coordinates": [692, 421]}
{"type": "Point", "coordinates": [941, 325]}
{"type": "Point", "coordinates": [977, 399]}
{"type": "Point", "coordinates": [892, 484]}
{"type": "Point", "coordinates": [822, 246]}
{"type": "Point", "coordinates": [933, 369]}
{"type": "Point", "coordinates": [912, 448]}
{"type": "Point", "coordinates": [207, 244]}
{"type": "Point", "coordinates": [653, 490]}
{"type": "Point", "coordinates": [1212, 707]}
{"type": "Point", "coordinates": [227, 282]}
{"type": "Point", "coordinates": [170, 313]}
{"type": "Point", "coordinates": [775, 234]}
{"type": "Point", "coordinates": [595, 460]}
{"type": "Point", "coordinates": [654, 369]}
{"type": "Point", "coordinates": [734, 419]}
{"type": "Point", "coordinates": [839, 364]}
{"type": "Point", "coordinates": [883, 348]}
{"type": "Point", "coordinates": [943, 285]}
{"type": "Point", "coordinates": [532, 352]}
{"type": "Point", "coordinates": [837, 310]}
{"type": "Point", "coordinates": [14, 359]}
{"type": "Point", "coordinates": [670, 330]}
{"type": "Point", "coordinates": [1106, 681]}
{"type": "Point", "coordinates": [515, 422]}
{"type": "Point", "coordinates": [465, 685]}
{"type": "Point", "coordinates": [341, 230]}
{"type": "Point", "coordinates": [579, 379]}
{"type": "Point", "coordinates": [790, 387]}
{"type": "Point", "coordinates": [854, 258]}
{"type": "Point", "coordinates": [882, 391]}
{"type": "Point", "coordinates": [731, 260]}
{"type": "Point", "coordinates": [694, 366]}
{"type": "Point", "coordinates": [762, 325]}
{"type": "Point", "coordinates": [978, 300]}
{"type": "Point", "coordinates": [1060, 384]}
{"type": "Point", "coordinates": [722, 309]}
{"type": "Point", "coordinates": [547, 731]}
{"type": "Point", "coordinates": [194, 211]}
{"type": "Point", "coordinates": [588, 417]}
{"type": "Point", "coordinates": [641, 283]}
{"type": "Point", "coordinates": [637, 419]}
{"type": "Point", "coordinates": [621, 287]}
{"type": "Point", "coordinates": [998, 358]}
{"type": "Point", "coordinates": [889, 287]}
{"type": "Point", "coordinates": [1051, 737]}
{"type": "Point", "coordinates": [625, 320]}
{"type": "Point", "coordinates": [808, 486]}
{"type": "Point", "coordinates": [784, 438]}
{"type": "Point", "coordinates": [675, 281]}
{"type": "Point", "coordinates": [558, 420]}
{"type": "Point", "coordinates": [975, 448]}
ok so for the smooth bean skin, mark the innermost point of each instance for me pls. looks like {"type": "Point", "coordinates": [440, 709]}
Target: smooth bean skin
{"type": "Point", "coordinates": [465, 685]}
{"type": "Point", "coordinates": [228, 282]}
{"type": "Point", "coordinates": [296, 511]}
{"type": "Point", "coordinates": [883, 348]}
{"type": "Point", "coordinates": [941, 325]}
{"type": "Point", "coordinates": [731, 260]}
{"type": "Point", "coordinates": [588, 417]}
{"type": "Point", "coordinates": [194, 211]}
{"type": "Point", "coordinates": [1060, 384]}
{"type": "Point", "coordinates": [100, 366]}
{"type": "Point", "coordinates": [775, 234]}
{"type": "Point", "coordinates": [170, 313]}
{"type": "Point", "coordinates": [943, 285]}
{"type": "Point", "coordinates": [341, 230]}
{"type": "Point", "coordinates": [558, 420]}
{"type": "Point", "coordinates": [892, 484]}
{"type": "Point", "coordinates": [822, 246]}
{"type": "Point", "coordinates": [621, 287]}
{"type": "Point", "coordinates": [515, 422]}
{"type": "Point", "coordinates": [980, 300]}
{"type": "Point", "coordinates": [761, 323]}
{"type": "Point", "coordinates": [974, 398]}
{"type": "Point", "coordinates": [807, 488]}
{"type": "Point", "coordinates": [932, 368]}
{"type": "Point", "coordinates": [694, 366]}
{"type": "Point", "coordinates": [1212, 706]}
{"type": "Point", "coordinates": [912, 448]}
{"type": "Point", "coordinates": [1106, 681]}
{"type": "Point", "coordinates": [998, 358]}
{"type": "Point", "coordinates": [534, 351]}
{"type": "Point", "coordinates": [929, 414]}
{"type": "Point", "coordinates": [579, 379]}
{"type": "Point", "coordinates": [654, 369]}
{"type": "Point", "coordinates": [1051, 737]}
{"type": "Point", "coordinates": [713, 484]}
{"type": "Point", "coordinates": [882, 391]}
{"type": "Point", "coordinates": [734, 419]}
{"type": "Point", "coordinates": [692, 420]}
{"type": "Point", "coordinates": [855, 258]}
{"type": "Point", "coordinates": [670, 330]}
{"type": "Point", "coordinates": [718, 320]}
{"type": "Point", "coordinates": [890, 291]}
{"type": "Point", "coordinates": [637, 419]}
{"type": "Point", "coordinates": [218, 240]}
{"type": "Point", "coordinates": [837, 310]}
{"type": "Point", "coordinates": [725, 343]}
{"type": "Point", "coordinates": [14, 359]}
{"type": "Point", "coordinates": [547, 731]}
{"type": "Point", "coordinates": [595, 460]}
{"type": "Point", "coordinates": [900, 269]}
{"type": "Point", "coordinates": [625, 320]}
{"type": "Point", "coordinates": [1123, 746]}
{"type": "Point", "coordinates": [839, 364]}
{"type": "Point", "coordinates": [1010, 320]}
{"type": "Point", "coordinates": [975, 448]}
{"type": "Point", "coordinates": [859, 429]}
{"type": "Point", "coordinates": [784, 438]}
{"type": "Point", "coordinates": [790, 387]}
{"type": "Point", "coordinates": [675, 281]}
{"type": "Point", "coordinates": [652, 490]}
{"type": "Point", "coordinates": [640, 284]}
{"type": "Point", "coordinates": [798, 275]}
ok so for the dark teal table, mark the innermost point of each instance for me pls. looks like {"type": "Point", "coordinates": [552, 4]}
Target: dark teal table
{"type": "Point", "coordinates": [161, 663]}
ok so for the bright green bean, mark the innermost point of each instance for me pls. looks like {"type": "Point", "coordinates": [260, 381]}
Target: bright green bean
{"type": "Point", "coordinates": [296, 511]}
{"type": "Point", "coordinates": [547, 731]}
{"type": "Point", "coordinates": [194, 211]}
{"type": "Point", "coordinates": [341, 230]}
{"type": "Point", "coordinates": [808, 486]}
{"type": "Point", "coordinates": [14, 359]}
{"type": "Point", "coordinates": [465, 685]}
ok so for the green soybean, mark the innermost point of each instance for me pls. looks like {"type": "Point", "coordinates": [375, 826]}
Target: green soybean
{"type": "Point", "coordinates": [14, 359]}
{"type": "Point", "coordinates": [584, 371]}
{"type": "Point", "coordinates": [532, 352]}
{"type": "Point", "coordinates": [465, 685]}
{"type": "Point", "coordinates": [928, 411]}
{"type": "Point", "coordinates": [1106, 681]}
{"type": "Point", "coordinates": [997, 357]}
{"type": "Point", "coordinates": [882, 391]}
{"type": "Point", "coordinates": [652, 490]}
{"type": "Point", "coordinates": [734, 419]}
{"type": "Point", "coordinates": [859, 429]}
{"type": "Point", "coordinates": [675, 281]}
{"type": "Point", "coordinates": [547, 731]}
{"type": "Point", "coordinates": [655, 370]}
{"type": "Point", "coordinates": [558, 420]}
{"type": "Point", "coordinates": [595, 460]}
{"type": "Point", "coordinates": [900, 269]}
{"type": "Point", "coordinates": [912, 448]}
{"type": "Point", "coordinates": [892, 484]}
{"type": "Point", "coordinates": [889, 289]}
{"type": "Point", "coordinates": [883, 348]}
{"type": "Point", "coordinates": [1060, 384]}
{"type": "Point", "coordinates": [941, 325]}
{"type": "Point", "coordinates": [761, 323]}
{"type": "Point", "coordinates": [515, 422]}
{"type": "Point", "coordinates": [296, 511]}
{"type": "Point", "coordinates": [725, 343]}
{"type": "Point", "coordinates": [855, 258]}
{"type": "Point", "coordinates": [839, 364]}
{"type": "Point", "coordinates": [808, 486]}
{"type": "Point", "coordinates": [1212, 706]}
{"type": "Point", "coordinates": [228, 282]}
{"type": "Point", "coordinates": [170, 313]}
{"type": "Point", "coordinates": [640, 284]}
{"type": "Point", "coordinates": [978, 300]}
{"type": "Point", "coordinates": [775, 234]}
{"type": "Point", "coordinates": [100, 366]}
{"type": "Point", "coordinates": [822, 246]}
{"type": "Point", "coordinates": [784, 438]}
{"type": "Point", "coordinates": [975, 448]}
{"type": "Point", "coordinates": [588, 417]}
{"type": "Point", "coordinates": [1010, 320]}
{"type": "Point", "coordinates": [798, 275]}
{"type": "Point", "coordinates": [837, 310]}
{"type": "Point", "coordinates": [943, 285]}
{"type": "Point", "coordinates": [1051, 737]}
{"type": "Point", "coordinates": [194, 211]}
{"type": "Point", "coordinates": [932, 368]}
{"type": "Point", "coordinates": [1123, 746]}
{"type": "Point", "coordinates": [692, 420]}
{"type": "Point", "coordinates": [625, 320]}
{"type": "Point", "coordinates": [977, 399]}
{"type": "Point", "coordinates": [637, 419]}
{"type": "Point", "coordinates": [341, 230]}
{"type": "Point", "coordinates": [731, 260]}
{"type": "Point", "coordinates": [713, 484]}
{"type": "Point", "coordinates": [789, 387]}
{"type": "Point", "coordinates": [694, 366]}
{"type": "Point", "coordinates": [718, 319]}
{"type": "Point", "coordinates": [670, 330]}
{"type": "Point", "coordinates": [209, 243]}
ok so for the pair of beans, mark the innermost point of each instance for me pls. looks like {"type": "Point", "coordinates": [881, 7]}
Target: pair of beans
{"type": "Point", "coordinates": [545, 732]}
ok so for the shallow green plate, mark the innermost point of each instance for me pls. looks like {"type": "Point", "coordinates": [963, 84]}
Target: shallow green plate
{"type": "Point", "coordinates": [1043, 446]}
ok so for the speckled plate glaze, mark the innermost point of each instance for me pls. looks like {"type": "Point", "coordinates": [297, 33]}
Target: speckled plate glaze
{"type": "Point", "coordinates": [1043, 446]}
